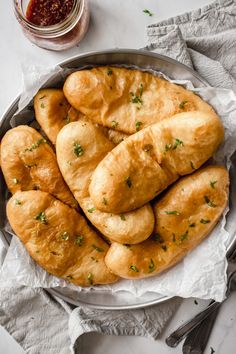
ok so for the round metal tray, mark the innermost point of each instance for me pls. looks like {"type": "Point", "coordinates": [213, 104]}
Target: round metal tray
{"type": "Point", "coordinates": [145, 60]}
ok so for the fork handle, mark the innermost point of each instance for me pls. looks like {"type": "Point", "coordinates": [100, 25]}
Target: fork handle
{"type": "Point", "coordinates": [175, 337]}
{"type": "Point", "coordinates": [197, 339]}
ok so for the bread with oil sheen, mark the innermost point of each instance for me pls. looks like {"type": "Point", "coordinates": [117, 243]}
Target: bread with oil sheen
{"type": "Point", "coordinates": [28, 162]}
{"type": "Point", "coordinates": [147, 162]}
{"type": "Point", "coordinates": [128, 100]}
{"type": "Point", "coordinates": [185, 215]}
{"type": "Point", "coordinates": [80, 147]}
{"type": "Point", "coordinates": [52, 111]}
{"type": "Point", "coordinates": [58, 238]}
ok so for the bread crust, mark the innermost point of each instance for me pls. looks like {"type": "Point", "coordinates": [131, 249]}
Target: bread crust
{"type": "Point", "coordinates": [130, 99]}
{"type": "Point", "coordinates": [132, 227]}
{"type": "Point", "coordinates": [58, 238]}
{"type": "Point", "coordinates": [53, 112]}
{"type": "Point", "coordinates": [185, 215]}
{"type": "Point", "coordinates": [146, 163]}
{"type": "Point", "coordinates": [28, 163]}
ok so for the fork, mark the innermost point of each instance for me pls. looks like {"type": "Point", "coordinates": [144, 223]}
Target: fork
{"type": "Point", "coordinates": [175, 337]}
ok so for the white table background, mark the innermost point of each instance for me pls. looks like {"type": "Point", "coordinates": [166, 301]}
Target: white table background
{"type": "Point", "coordinates": [114, 24]}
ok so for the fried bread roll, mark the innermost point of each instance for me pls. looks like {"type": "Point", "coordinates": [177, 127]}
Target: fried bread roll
{"type": "Point", "coordinates": [52, 112]}
{"type": "Point", "coordinates": [147, 162]}
{"type": "Point", "coordinates": [128, 100]}
{"type": "Point", "coordinates": [28, 162]}
{"type": "Point", "coordinates": [58, 238]}
{"type": "Point", "coordinates": [184, 217]}
{"type": "Point", "coordinates": [80, 147]}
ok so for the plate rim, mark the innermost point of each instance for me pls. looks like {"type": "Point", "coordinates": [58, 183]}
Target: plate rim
{"type": "Point", "coordinates": [64, 64]}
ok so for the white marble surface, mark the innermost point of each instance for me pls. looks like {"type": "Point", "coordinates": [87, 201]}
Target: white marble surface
{"type": "Point", "coordinates": [114, 24]}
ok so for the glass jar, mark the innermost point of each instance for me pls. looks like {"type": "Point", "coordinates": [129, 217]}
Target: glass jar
{"type": "Point", "coordinates": [60, 36]}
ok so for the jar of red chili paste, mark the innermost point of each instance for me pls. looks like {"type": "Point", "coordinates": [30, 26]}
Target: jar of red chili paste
{"type": "Point", "coordinates": [53, 24]}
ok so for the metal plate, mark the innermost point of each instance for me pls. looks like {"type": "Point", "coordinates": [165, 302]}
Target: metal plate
{"type": "Point", "coordinates": [145, 60]}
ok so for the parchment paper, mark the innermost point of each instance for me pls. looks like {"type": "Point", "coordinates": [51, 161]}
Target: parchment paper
{"type": "Point", "coordinates": [202, 273]}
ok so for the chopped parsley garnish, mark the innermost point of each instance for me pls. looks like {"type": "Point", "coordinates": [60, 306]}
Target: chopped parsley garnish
{"type": "Point", "coordinates": [69, 277]}
{"type": "Point", "coordinates": [94, 259]}
{"type": "Point", "coordinates": [157, 237]}
{"type": "Point", "coordinates": [138, 125]}
{"type": "Point", "coordinates": [65, 236]}
{"type": "Point", "coordinates": [135, 98]}
{"type": "Point", "coordinates": [41, 217]}
{"type": "Point", "coordinates": [212, 184]}
{"type": "Point", "coordinates": [204, 221]}
{"type": "Point", "coordinates": [173, 212]}
{"type": "Point", "coordinates": [104, 201]}
{"type": "Point", "coordinates": [42, 105]}
{"type": "Point", "coordinates": [79, 240]}
{"type": "Point", "coordinates": [192, 225]}
{"type": "Point", "coordinates": [184, 236]}
{"type": "Point", "coordinates": [174, 146]}
{"type": "Point", "coordinates": [90, 278]}
{"type": "Point", "coordinates": [168, 147]}
{"type": "Point", "coordinates": [182, 104]}
{"type": "Point", "coordinates": [78, 150]}
{"type": "Point", "coordinates": [128, 182]}
{"type": "Point", "coordinates": [192, 165]}
{"type": "Point", "coordinates": [177, 143]}
{"type": "Point", "coordinates": [114, 123]}
{"type": "Point", "coordinates": [17, 202]}
{"type": "Point", "coordinates": [122, 217]}
{"type": "Point", "coordinates": [147, 147]}
{"type": "Point", "coordinates": [149, 13]}
{"type": "Point", "coordinates": [109, 72]}
{"type": "Point", "coordinates": [42, 97]}
{"type": "Point", "coordinates": [99, 249]}
{"type": "Point", "coordinates": [15, 180]}
{"type": "Point", "coordinates": [151, 266]}
{"type": "Point", "coordinates": [91, 210]}
{"type": "Point", "coordinates": [36, 145]}
{"type": "Point", "coordinates": [164, 247]}
{"type": "Point", "coordinates": [173, 237]}
{"type": "Point", "coordinates": [209, 202]}
{"type": "Point", "coordinates": [134, 268]}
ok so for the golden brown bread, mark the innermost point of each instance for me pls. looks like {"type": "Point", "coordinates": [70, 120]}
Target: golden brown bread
{"type": "Point", "coordinates": [28, 162]}
{"type": "Point", "coordinates": [128, 100]}
{"type": "Point", "coordinates": [58, 238]}
{"type": "Point", "coordinates": [52, 111]}
{"type": "Point", "coordinates": [185, 215]}
{"type": "Point", "coordinates": [115, 136]}
{"type": "Point", "coordinates": [147, 162]}
{"type": "Point", "coordinates": [80, 147]}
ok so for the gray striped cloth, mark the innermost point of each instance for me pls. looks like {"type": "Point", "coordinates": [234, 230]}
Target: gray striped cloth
{"type": "Point", "coordinates": [205, 40]}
